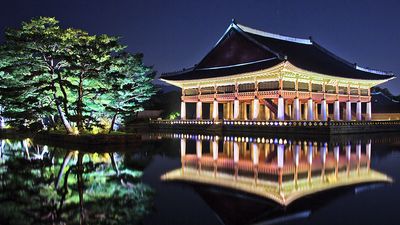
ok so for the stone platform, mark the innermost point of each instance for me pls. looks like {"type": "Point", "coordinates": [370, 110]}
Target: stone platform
{"type": "Point", "coordinates": [283, 127]}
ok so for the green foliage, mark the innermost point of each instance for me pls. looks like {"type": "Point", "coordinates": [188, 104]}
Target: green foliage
{"type": "Point", "coordinates": [47, 70]}
{"type": "Point", "coordinates": [93, 188]}
{"type": "Point", "coordinates": [173, 115]}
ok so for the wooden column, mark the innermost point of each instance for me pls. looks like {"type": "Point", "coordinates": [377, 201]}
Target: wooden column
{"type": "Point", "coordinates": [281, 109]}
{"type": "Point", "coordinates": [368, 114]}
{"type": "Point", "coordinates": [348, 111]}
{"type": "Point", "coordinates": [183, 110]}
{"type": "Point", "coordinates": [215, 113]}
{"type": "Point", "coordinates": [310, 106]}
{"type": "Point", "coordinates": [236, 109]}
{"type": "Point", "coordinates": [199, 110]}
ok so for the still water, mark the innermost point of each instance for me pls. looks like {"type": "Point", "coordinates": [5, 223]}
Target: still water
{"type": "Point", "coordinates": [203, 179]}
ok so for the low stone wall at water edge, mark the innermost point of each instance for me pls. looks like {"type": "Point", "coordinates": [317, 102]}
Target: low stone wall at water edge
{"type": "Point", "coordinates": [309, 127]}
{"type": "Point", "coordinates": [98, 139]}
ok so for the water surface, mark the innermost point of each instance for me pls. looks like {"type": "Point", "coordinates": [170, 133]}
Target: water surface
{"type": "Point", "coordinates": [225, 178]}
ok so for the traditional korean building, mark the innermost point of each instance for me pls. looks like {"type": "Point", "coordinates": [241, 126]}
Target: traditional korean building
{"type": "Point", "coordinates": [254, 75]}
{"type": "Point", "coordinates": [280, 170]}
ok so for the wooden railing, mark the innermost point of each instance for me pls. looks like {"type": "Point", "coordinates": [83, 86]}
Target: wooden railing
{"type": "Point", "coordinates": [245, 96]}
{"type": "Point", "coordinates": [275, 123]}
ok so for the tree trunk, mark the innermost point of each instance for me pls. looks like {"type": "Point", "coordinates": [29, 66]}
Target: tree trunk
{"type": "Point", "coordinates": [53, 122]}
{"type": "Point", "coordinates": [80, 186]}
{"type": "Point", "coordinates": [64, 93]}
{"type": "Point", "coordinates": [114, 164]}
{"type": "Point", "coordinates": [64, 120]}
{"type": "Point", "coordinates": [66, 160]}
{"type": "Point", "coordinates": [113, 122]}
{"type": "Point", "coordinates": [79, 106]}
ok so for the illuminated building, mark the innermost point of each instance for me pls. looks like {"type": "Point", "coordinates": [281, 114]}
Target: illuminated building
{"type": "Point", "coordinates": [280, 170]}
{"type": "Point", "coordinates": [255, 75]}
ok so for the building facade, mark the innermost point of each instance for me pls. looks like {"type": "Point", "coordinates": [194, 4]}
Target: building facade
{"type": "Point", "coordinates": [255, 75]}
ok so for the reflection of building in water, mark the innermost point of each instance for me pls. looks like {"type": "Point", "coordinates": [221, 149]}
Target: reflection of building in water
{"type": "Point", "coordinates": [277, 169]}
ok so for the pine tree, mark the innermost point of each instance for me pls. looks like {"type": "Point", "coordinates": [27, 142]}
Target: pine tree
{"type": "Point", "coordinates": [131, 82]}
{"type": "Point", "coordinates": [45, 69]}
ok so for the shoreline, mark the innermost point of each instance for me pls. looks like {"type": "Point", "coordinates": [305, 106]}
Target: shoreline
{"type": "Point", "coordinates": [103, 142]}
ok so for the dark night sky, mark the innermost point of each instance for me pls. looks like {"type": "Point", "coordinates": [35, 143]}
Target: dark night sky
{"type": "Point", "coordinates": [177, 34]}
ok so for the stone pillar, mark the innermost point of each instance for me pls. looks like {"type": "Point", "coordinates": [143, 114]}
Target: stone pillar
{"type": "Point", "coordinates": [236, 158]}
{"type": "Point", "coordinates": [296, 163]}
{"type": "Point", "coordinates": [358, 154]}
{"type": "Point", "coordinates": [336, 110]}
{"type": "Point", "coordinates": [348, 157]}
{"type": "Point", "coordinates": [256, 109]}
{"type": "Point", "coordinates": [310, 106]}
{"type": "Point", "coordinates": [199, 110]}
{"type": "Point", "coordinates": [316, 111]}
{"type": "Point", "coordinates": [348, 111]}
{"type": "Point", "coordinates": [199, 148]}
{"type": "Point", "coordinates": [214, 146]}
{"type": "Point", "coordinates": [183, 110]}
{"type": "Point", "coordinates": [281, 155]}
{"type": "Point", "coordinates": [310, 160]}
{"type": "Point", "coordinates": [336, 153]}
{"type": "Point", "coordinates": [183, 147]}
{"type": "Point", "coordinates": [236, 109]}
{"type": "Point", "coordinates": [324, 109]}
{"type": "Point", "coordinates": [368, 153]}
{"type": "Point", "coordinates": [235, 152]}
{"type": "Point", "coordinates": [281, 109]}
{"type": "Point", "coordinates": [323, 152]}
{"type": "Point", "coordinates": [358, 111]}
{"type": "Point", "coordinates": [368, 114]}
{"type": "Point", "coordinates": [256, 153]}
{"type": "Point", "coordinates": [215, 114]}
{"type": "Point", "coordinates": [296, 109]}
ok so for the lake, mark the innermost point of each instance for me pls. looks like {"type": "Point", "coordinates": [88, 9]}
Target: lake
{"type": "Point", "coordinates": [203, 179]}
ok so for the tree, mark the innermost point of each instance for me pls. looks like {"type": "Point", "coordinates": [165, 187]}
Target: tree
{"type": "Point", "coordinates": [46, 69]}
{"type": "Point", "coordinates": [131, 81]}
{"type": "Point", "coordinates": [88, 58]}
{"type": "Point", "coordinates": [33, 55]}
{"type": "Point", "coordinates": [25, 101]}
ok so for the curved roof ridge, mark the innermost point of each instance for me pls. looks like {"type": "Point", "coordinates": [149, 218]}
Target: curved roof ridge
{"type": "Point", "coordinates": [240, 64]}
{"type": "Point", "coordinates": [354, 65]}
{"type": "Point", "coordinates": [275, 36]}
{"type": "Point", "coordinates": [320, 47]}
{"type": "Point", "coordinates": [366, 69]}
{"type": "Point", "coordinates": [178, 71]}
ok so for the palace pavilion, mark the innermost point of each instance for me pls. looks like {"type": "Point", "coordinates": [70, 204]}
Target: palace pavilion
{"type": "Point", "coordinates": [254, 75]}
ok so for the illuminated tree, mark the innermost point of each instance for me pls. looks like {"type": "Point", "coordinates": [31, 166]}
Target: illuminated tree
{"type": "Point", "coordinates": [90, 191]}
{"type": "Point", "coordinates": [45, 69]}
{"type": "Point", "coordinates": [131, 81]}
{"type": "Point", "coordinates": [32, 61]}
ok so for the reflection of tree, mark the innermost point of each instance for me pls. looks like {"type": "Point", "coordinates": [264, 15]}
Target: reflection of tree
{"type": "Point", "coordinates": [47, 185]}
